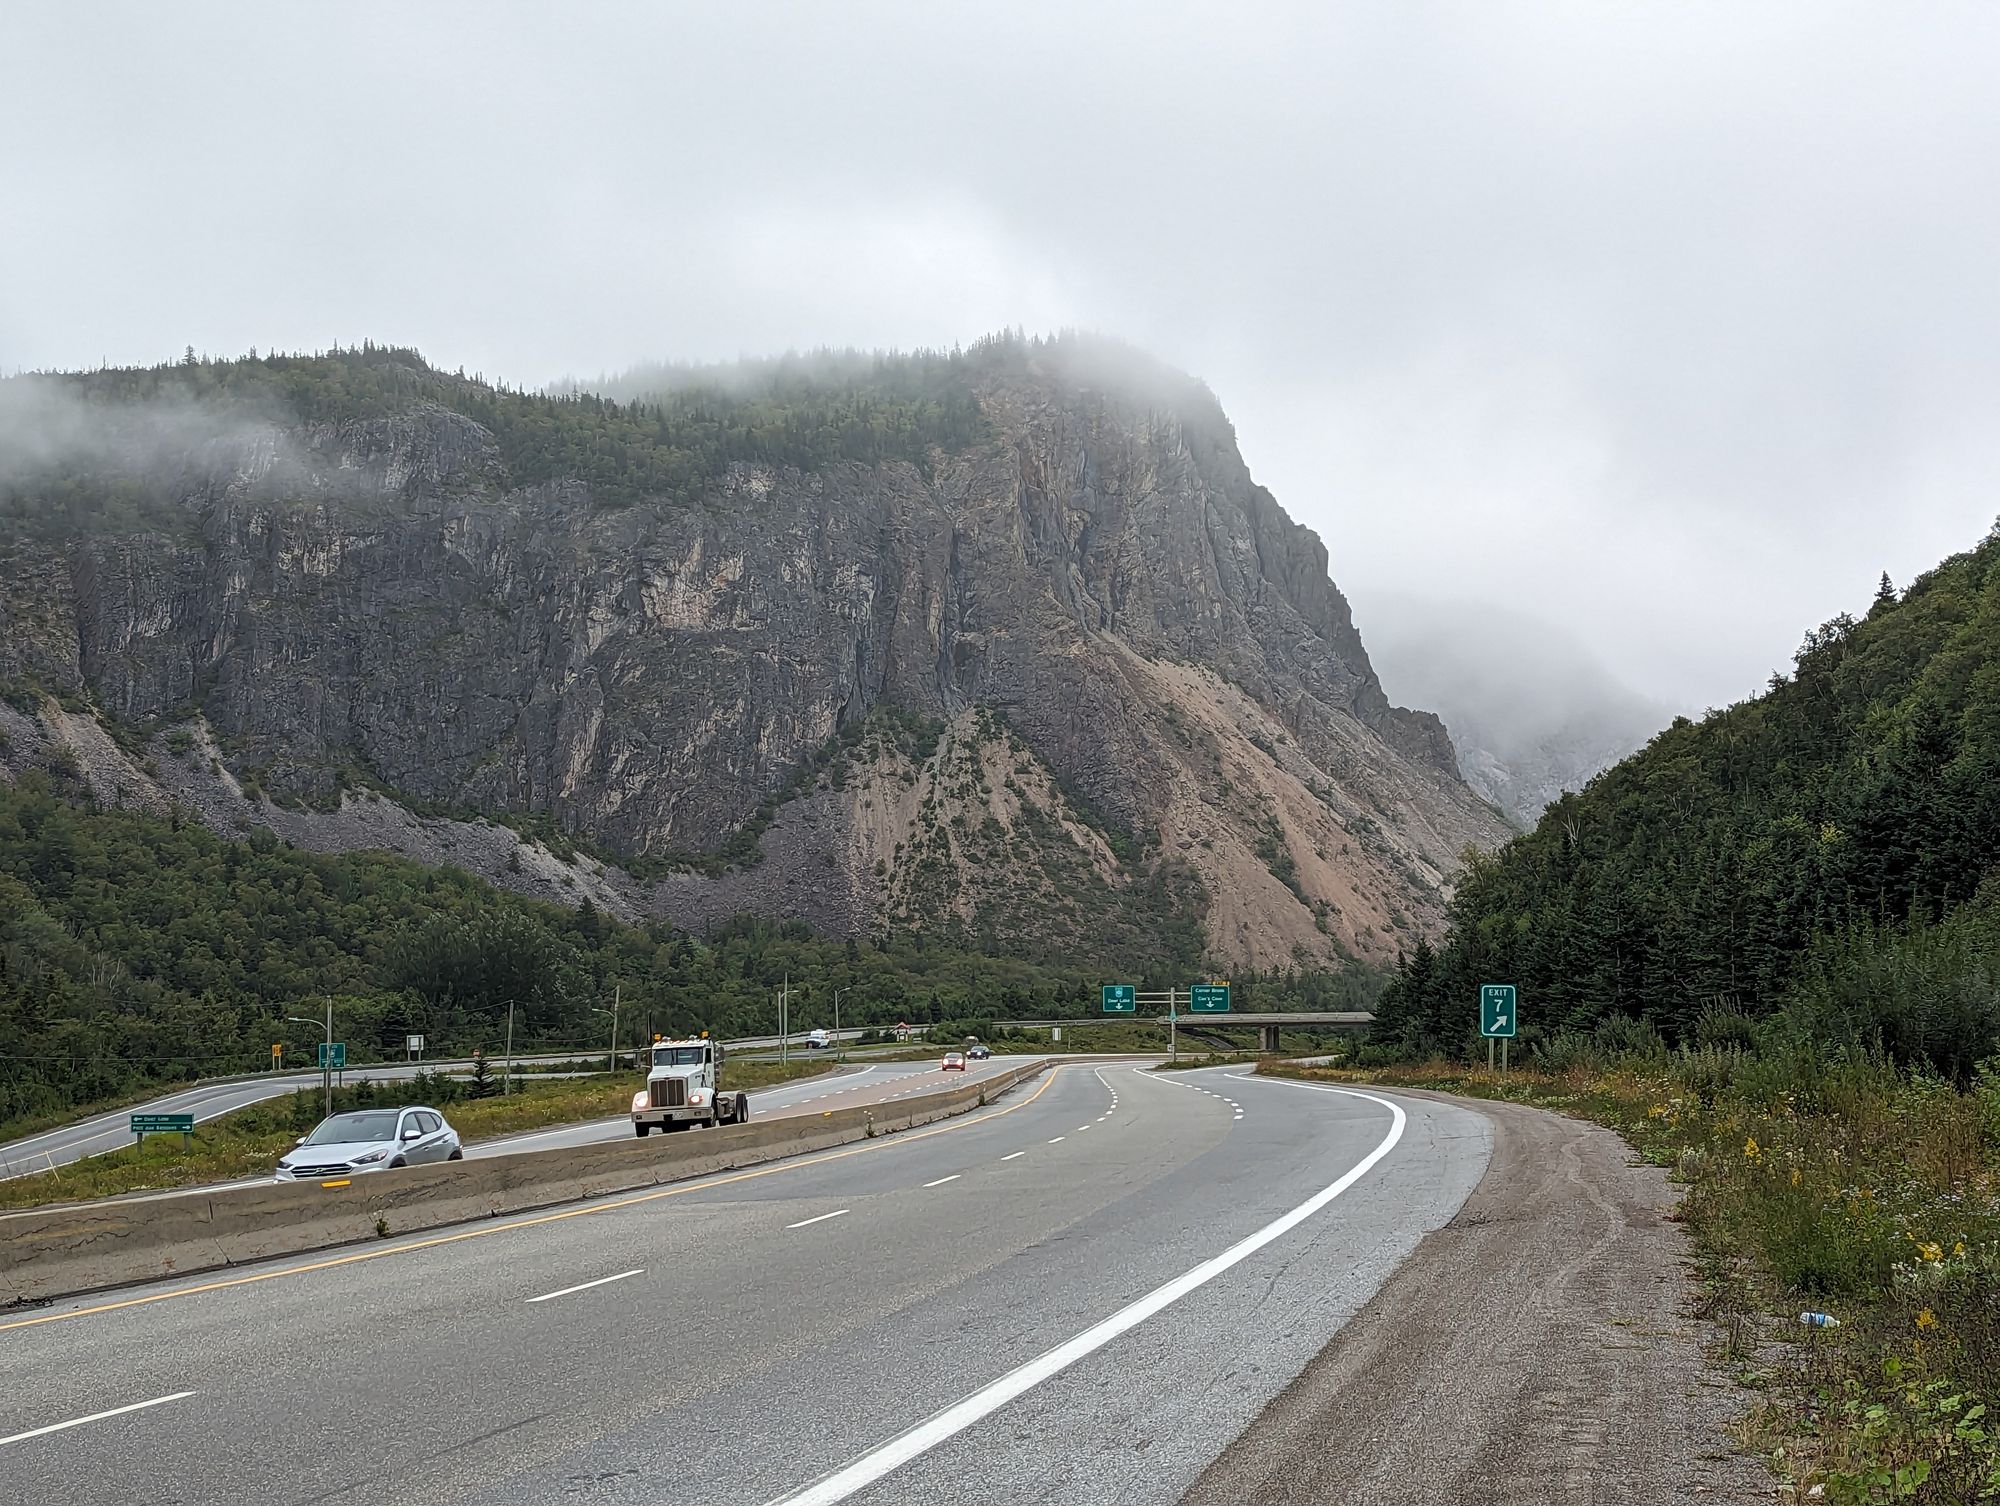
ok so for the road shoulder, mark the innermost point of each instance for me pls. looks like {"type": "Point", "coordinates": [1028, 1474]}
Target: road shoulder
{"type": "Point", "coordinates": [1538, 1349]}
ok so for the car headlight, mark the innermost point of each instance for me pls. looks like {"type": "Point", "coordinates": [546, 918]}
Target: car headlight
{"type": "Point", "coordinates": [373, 1155]}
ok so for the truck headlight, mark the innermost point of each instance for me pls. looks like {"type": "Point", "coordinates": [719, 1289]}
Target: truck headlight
{"type": "Point", "coordinates": [638, 1100]}
{"type": "Point", "coordinates": [697, 1098]}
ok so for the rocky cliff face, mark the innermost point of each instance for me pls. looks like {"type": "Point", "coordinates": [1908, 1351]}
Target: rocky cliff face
{"type": "Point", "coordinates": [1070, 684]}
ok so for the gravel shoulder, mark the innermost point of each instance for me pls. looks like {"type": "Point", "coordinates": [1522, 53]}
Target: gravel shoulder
{"type": "Point", "coordinates": [1539, 1349]}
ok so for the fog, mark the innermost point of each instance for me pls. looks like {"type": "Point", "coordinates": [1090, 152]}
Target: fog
{"type": "Point", "coordinates": [1670, 325]}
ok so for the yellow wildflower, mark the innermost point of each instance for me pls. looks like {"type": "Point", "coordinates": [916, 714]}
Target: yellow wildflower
{"type": "Point", "coordinates": [1930, 1252]}
{"type": "Point", "coordinates": [1927, 1319]}
{"type": "Point", "coordinates": [1959, 1248]}
{"type": "Point", "coordinates": [1750, 1147]}
{"type": "Point", "coordinates": [1795, 1176]}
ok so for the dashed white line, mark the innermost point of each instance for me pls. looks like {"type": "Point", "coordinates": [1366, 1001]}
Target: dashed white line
{"type": "Point", "coordinates": [1059, 1139]}
{"type": "Point", "coordinates": [1017, 1154]}
{"type": "Point", "coordinates": [587, 1285]}
{"type": "Point", "coordinates": [942, 1180]}
{"type": "Point", "coordinates": [77, 1422]}
{"type": "Point", "coordinates": [819, 1219]}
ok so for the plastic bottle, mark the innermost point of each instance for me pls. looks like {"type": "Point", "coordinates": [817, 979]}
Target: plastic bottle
{"type": "Point", "coordinates": [1819, 1320]}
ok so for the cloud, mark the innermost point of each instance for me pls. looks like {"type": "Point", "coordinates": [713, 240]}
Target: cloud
{"type": "Point", "coordinates": [1675, 321]}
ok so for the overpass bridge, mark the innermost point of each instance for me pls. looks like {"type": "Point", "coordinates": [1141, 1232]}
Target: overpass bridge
{"type": "Point", "coordinates": [1268, 1025]}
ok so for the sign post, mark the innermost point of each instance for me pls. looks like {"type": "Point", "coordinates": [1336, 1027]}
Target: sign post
{"type": "Point", "coordinates": [277, 1056]}
{"type": "Point", "coordinates": [413, 1046]}
{"type": "Point", "coordinates": [1499, 1018]}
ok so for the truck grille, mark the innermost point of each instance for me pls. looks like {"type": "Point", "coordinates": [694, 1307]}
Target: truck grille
{"type": "Point", "coordinates": [669, 1092]}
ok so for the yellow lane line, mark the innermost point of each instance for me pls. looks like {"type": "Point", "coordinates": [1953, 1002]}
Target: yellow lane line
{"type": "Point", "coordinates": [697, 1185]}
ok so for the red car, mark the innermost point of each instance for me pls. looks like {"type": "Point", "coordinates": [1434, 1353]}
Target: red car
{"type": "Point", "coordinates": [954, 1061]}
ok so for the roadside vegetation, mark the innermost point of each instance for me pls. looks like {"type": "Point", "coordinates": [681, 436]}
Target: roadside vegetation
{"type": "Point", "coordinates": [248, 1142]}
{"type": "Point", "coordinates": [1766, 949]}
{"type": "Point", "coordinates": [1816, 1180]}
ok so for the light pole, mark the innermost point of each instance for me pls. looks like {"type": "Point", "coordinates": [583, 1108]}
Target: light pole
{"type": "Point", "coordinates": [326, 1061]}
{"type": "Point", "coordinates": [613, 1012]}
{"type": "Point", "coordinates": [839, 1050]}
{"type": "Point", "coordinates": [507, 1073]}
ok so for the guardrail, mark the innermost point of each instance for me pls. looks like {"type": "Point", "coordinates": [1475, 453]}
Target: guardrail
{"type": "Point", "coordinates": [81, 1247]}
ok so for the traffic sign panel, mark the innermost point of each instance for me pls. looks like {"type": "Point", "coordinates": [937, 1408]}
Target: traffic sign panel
{"type": "Point", "coordinates": [163, 1124]}
{"type": "Point", "coordinates": [333, 1056]}
{"type": "Point", "coordinates": [1498, 1013]}
{"type": "Point", "coordinates": [1208, 998]}
{"type": "Point", "coordinates": [1121, 998]}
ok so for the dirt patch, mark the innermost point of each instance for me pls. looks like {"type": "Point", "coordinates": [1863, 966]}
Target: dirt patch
{"type": "Point", "coordinates": [1540, 1350]}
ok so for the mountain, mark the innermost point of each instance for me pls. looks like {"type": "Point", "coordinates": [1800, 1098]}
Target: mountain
{"type": "Point", "coordinates": [1830, 849]}
{"type": "Point", "coordinates": [1002, 646]}
{"type": "Point", "coordinates": [1531, 712]}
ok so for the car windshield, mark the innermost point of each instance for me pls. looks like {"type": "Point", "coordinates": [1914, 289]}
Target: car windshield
{"type": "Point", "coordinates": [678, 1056]}
{"type": "Point", "coordinates": [377, 1125]}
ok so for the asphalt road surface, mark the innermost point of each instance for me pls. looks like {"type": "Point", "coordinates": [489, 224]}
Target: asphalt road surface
{"type": "Point", "coordinates": [112, 1131]}
{"type": "Point", "coordinates": [1081, 1294]}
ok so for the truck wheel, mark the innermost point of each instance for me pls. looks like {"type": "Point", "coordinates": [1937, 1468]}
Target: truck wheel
{"type": "Point", "coordinates": [742, 1108]}
{"type": "Point", "coordinates": [639, 1128]}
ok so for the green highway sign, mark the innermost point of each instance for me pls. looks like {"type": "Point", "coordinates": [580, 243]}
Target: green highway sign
{"type": "Point", "coordinates": [1121, 998]}
{"type": "Point", "coordinates": [163, 1124]}
{"type": "Point", "coordinates": [333, 1056]}
{"type": "Point", "coordinates": [1498, 1015]}
{"type": "Point", "coordinates": [1208, 998]}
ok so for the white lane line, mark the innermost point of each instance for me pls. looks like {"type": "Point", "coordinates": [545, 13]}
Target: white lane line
{"type": "Point", "coordinates": [1059, 1139]}
{"type": "Point", "coordinates": [820, 1219]}
{"type": "Point", "coordinates": [863, 1472]}
{"type": "Point", "coordinates": [1017, 1154]}
{"type": "Point", "coordinates": [942, 1180]}
{"type": "Point", "coordinates": [77, 1422]}
{"type": "Point", "coordinates": [587, 1285]}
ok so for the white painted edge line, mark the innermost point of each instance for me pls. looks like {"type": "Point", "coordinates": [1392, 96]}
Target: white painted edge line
{"type": "Point", "coordinates": [817, 1219]}
{"type": "Point", "coordinates": [863, 1472]}
{"type": "Point", "coordinates": [587, 1285]}
{"type": "Point", "coordinates": [942, 1180]}
{"type": "Point", "coordinates": [77, 1422]}
{"type": "Point", "coordinates": [1017, 1154]}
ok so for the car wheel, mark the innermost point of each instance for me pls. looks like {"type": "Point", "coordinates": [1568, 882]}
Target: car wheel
{"type": "Point", "coordinates": [398, 1162]}
{"type": "Point", "coordinates": [457, 1153]}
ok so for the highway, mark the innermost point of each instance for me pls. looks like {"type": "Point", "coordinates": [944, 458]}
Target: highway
{"type": "Point", "coordinates": [856, 1087]}
{"type": "Point", "coordinates": [1080, 1294]}
{"type": "Point", "coordinates": [109, 1131]}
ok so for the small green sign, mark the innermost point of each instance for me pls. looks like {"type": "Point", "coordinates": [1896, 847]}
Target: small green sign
{"type": "Point", "coordinates": [1121, 998]}
{"type": "Point", "coordinates": [163, 1124]}
{"type": "Point", "coordinates": [333, 1057]}
{"type": "Point", "coordinates": [1498, 1015]}
{"type": "Point", "coordinates": [1208, 998]}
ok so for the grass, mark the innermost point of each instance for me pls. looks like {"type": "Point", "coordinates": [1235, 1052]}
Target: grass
{"type": "Point", "coordinates": [248, 1142]}
{"type": "Point", "coordinates": [1818, 1181]}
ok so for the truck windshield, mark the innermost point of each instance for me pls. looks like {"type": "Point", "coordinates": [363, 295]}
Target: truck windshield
{"type": "Point", "coordinates": [679, 1056]}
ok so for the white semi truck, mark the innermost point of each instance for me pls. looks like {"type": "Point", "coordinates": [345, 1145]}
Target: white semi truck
{"type": "Point", "coordinates": [680, 1089]}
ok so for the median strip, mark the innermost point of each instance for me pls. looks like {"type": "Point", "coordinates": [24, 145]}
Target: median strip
{"type": "Point", "coordinates": [77, 1422]}
{"type": "Point", "coordinates": [587, 1285]}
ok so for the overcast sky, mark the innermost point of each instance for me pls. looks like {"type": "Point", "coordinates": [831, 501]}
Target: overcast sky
{"type": "Point", "coordinates": [1675, 324]}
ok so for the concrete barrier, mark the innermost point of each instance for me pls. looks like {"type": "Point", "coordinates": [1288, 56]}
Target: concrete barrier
{"type": "Point", "coordinates": [82, 1247]}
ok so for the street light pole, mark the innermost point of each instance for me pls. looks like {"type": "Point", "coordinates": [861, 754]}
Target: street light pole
{"type": "Point", "coordinates": [507, 1074]}
{"type": "Point", "coordinates": [326, 1063]}
{"type": "Point", "coordinates": [617, 992]}
{"type": "Point", "coordinates": [836, 1016]}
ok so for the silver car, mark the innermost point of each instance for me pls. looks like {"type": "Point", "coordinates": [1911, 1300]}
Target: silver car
{"type": "Point", "coordinates": [371, 1140]}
